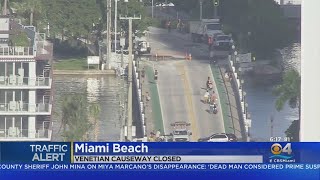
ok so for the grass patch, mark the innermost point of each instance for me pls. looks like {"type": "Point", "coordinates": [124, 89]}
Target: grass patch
{"type": "Point", "coordinates": [76, 63]}
{"type": "Point", "coordinates": [223, 99]}
{"type": "Point", "coordinates": [155, 99]}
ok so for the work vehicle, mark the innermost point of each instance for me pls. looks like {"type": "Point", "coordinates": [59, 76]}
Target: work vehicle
{"type": "Point", "coordinates": [180, 132]}
{"type": "Point", "coordinates": [222, 42]}
{"type": "Point", "coordinates": [203, 29]}
{"type": "Point", "coordinates": [142, 46]}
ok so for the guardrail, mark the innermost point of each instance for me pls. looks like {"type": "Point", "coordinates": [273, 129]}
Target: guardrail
{"type": "Point", "coordinates": [139, 95]}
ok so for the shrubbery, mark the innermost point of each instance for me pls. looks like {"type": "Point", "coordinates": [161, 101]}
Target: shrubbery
{"type": "Point", "coordinates": [20, 39]}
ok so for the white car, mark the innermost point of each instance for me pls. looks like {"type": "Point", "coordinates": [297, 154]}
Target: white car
{"type": "Point", "coordinates": [220, 137]}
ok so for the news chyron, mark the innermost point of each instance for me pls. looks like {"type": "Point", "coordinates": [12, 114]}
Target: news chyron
{"type": "Point", "coordinates": [110, 152]}
{"type": "Point", "coordinates": [88, 152]}
{"type": "Point", "coordinates": [59, 152]}
{"type": "Point", "coordinates": [83, 152]}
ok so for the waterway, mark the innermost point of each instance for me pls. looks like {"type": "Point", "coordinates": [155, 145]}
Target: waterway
{"type": "Point", "coordinates": [107, 90]}
{"type": "Point", "coordinates": [261, 101]}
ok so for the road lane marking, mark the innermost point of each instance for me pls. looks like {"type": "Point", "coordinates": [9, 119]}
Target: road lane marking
{"type": "Point", "coordinates": [191, 114]}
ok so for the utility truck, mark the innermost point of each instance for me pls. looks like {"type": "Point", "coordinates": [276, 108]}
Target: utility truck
{"type": "Point", "coordinates": [201, 30]}
{"type": "Point", "coordinates": [142, 46]}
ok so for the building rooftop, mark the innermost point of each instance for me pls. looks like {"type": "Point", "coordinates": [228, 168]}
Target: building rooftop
{"type": "Point", "coordinates": [22, 41]}
{"type": "Point", "coordinates": [292, 10]}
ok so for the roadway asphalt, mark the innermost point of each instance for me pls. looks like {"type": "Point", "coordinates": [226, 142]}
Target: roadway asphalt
{"type": "Point", "coordinates": [172, 95]}
{"type": "Point", "coordinates": [180, 85]}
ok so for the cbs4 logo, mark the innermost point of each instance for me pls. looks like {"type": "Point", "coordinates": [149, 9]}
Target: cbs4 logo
{"type": "Point", "coordinates": [277, 149]}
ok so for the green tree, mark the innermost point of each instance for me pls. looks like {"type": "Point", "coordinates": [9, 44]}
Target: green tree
{"type": "Point", "coordinates": [27, 9]}
{"type": "Point", "coordinates": [290, 91]}
{"type": "Point", "coordinates": [131, 8]}
{"type": "Point", "coordinates": [257, 26]}
{"type": "Point", "coordinates": [264, 20]}
{"type": "Point", "coordinates": [74, 119]}
{"type": "Point", "coordinates": [293, 131]}
{"type": "Point", "coordinates": [32, 7]}
{"type": "Point", "coordinates": [72, 18]}
{"type": "Point", "coordinates": [76, 18]}
{"type": "Point", "coordinates": [187, 7]}
{"type": "Point", "coordinates": [19, 39]}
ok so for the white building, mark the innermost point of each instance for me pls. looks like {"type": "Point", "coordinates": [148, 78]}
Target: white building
{"type": "Point", "coordinates": [25, 84]}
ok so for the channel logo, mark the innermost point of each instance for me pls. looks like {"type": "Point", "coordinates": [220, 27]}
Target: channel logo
{"type": "Point", "coordinates": [281, 154]}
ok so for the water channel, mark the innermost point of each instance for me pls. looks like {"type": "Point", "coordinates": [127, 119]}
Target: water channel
{"type": "Point", "coordinates": [108, 91]}
{"type": "Point", "coordinates": [261, 101]}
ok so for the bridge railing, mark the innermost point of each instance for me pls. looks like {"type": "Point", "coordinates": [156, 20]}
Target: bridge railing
{"type": "Point", "coordinates": [137, 82]}
{"type": "Point", "coordinates": [237, 85]}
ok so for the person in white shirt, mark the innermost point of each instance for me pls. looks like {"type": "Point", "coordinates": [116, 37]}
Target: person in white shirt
{"type": "Point", "coordinates": [206, 96]}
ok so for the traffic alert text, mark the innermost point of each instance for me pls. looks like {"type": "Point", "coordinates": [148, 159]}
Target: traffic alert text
{"type": "Point", "coordinates": [52, 152]}
{"type": "Point", "coordinates": [106, 148]}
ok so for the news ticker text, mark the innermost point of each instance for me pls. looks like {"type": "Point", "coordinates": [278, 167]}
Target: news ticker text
{"type": "Point", "coordinates": [149, 166]}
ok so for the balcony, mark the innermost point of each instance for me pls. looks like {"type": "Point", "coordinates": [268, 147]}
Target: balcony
{"type": "Point", "coordinates": [17, 82]}
{"type": "Point", "coordinates": [20, 108]}
{"type": "Point", "coordinates": [17, 134]}
{"type": "Point", "coordinates": [17, 51]}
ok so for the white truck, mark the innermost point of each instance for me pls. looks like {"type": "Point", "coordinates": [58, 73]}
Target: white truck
{"type": "Point", "coordinates": [180, 132]}
{"type": "Point", "coordinates": [202, 29]}
{"type": "Point", "coordinates": [142, 46]}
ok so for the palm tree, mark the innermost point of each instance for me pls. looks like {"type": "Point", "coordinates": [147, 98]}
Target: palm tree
{"type": "Point", "coordinates": [29, 7]}
{"type": "Point", "coordinates": [32, 7]}
{"type": "Point", "coordinates": [290, 91]}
